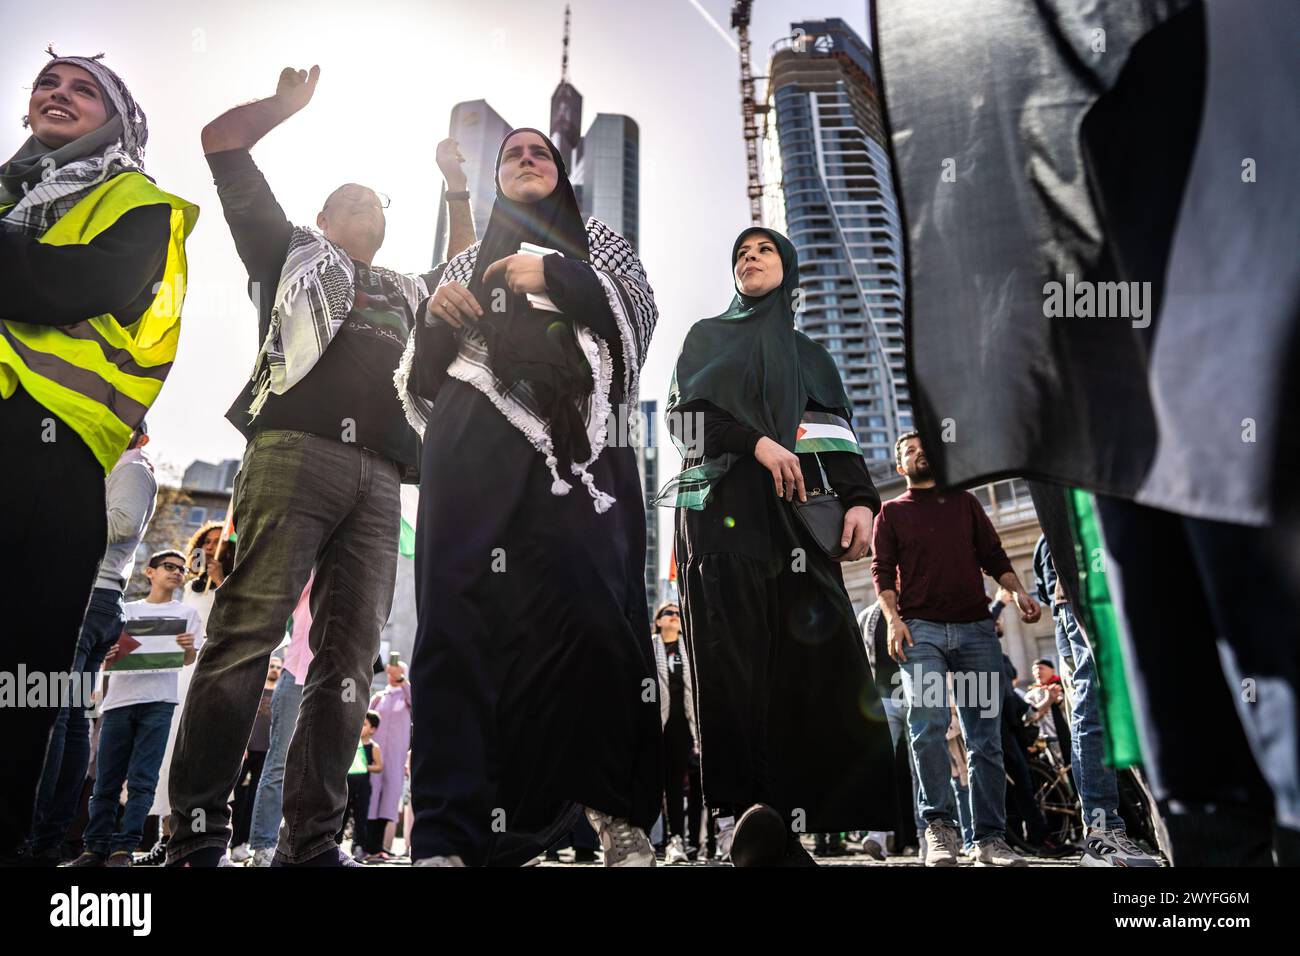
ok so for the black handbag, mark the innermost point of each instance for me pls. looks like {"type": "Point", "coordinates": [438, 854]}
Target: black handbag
{"type": "Point", "coordinates": [822, 515]}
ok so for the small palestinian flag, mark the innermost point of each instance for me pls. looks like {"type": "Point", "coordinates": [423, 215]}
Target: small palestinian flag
{"type": "Point", "coordinates": [406, 531]}
{"type": "Point", "coordinates": [822, 431]}
{"type": "Point", "coordinates": [148, 645]}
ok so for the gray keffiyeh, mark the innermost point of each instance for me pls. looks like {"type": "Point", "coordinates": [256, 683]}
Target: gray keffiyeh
{"type": "Point", "coordinates": [316, 292]}
{"type": "Point", "coordinates": [43, 183]}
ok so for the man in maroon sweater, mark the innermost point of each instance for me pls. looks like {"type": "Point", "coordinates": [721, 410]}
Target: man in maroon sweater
{"type": "Point", "coordinates": [931, 546]}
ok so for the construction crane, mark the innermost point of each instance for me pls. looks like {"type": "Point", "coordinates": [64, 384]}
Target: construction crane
{"type": "Point", "coordinates": [750, 110]}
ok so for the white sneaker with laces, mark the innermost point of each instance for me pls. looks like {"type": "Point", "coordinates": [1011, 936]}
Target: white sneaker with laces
{"type": "Point", "coordinates": [1103, 847]}
{"type": "Point", "coordinates": [240, 853]}
{"type": "Point", "coordinates": [675, 852]}
{"type": "Point", "coordinates": [624, 844]}
{"type": "Point", "coordinates": [452, 860]}
{"type": "Point", "coordinates": [726, 833]}
{"type": "Point", "coordinates": [995, 852]}
{"type": "Point", "coordinates": [263, 856]}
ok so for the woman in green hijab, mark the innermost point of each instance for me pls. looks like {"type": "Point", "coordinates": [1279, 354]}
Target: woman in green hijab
{"type": "Point", "coordinates": [792, 733]}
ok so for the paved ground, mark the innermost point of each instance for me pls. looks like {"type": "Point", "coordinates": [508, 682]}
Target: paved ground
{"type": "Point", "coordinates": [853, 859]}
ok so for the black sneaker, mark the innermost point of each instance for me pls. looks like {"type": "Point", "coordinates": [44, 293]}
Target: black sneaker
{"type": "Point", "coordinates": [584, 855]}
{"type": "Point", "coordinates": [155, 857]}
{"type": "Point", "coordinates": [86, 859]}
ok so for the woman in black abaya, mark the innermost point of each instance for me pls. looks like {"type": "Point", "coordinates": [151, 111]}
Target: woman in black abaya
{"type": "Point", "coordinates": [531, 664]}
{"type": "Point", "coordinates": [791, 726]}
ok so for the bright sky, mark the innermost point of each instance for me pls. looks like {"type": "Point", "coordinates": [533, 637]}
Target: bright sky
{"type": "Point", "coordinates": [391, 70]}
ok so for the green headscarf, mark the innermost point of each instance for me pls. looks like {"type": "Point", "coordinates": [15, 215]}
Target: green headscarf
{"type": "Point", "coordinates": [752, 363]}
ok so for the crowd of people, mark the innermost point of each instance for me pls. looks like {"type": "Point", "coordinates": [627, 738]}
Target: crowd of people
{"type": "Point", "coordinates": [761, 721]}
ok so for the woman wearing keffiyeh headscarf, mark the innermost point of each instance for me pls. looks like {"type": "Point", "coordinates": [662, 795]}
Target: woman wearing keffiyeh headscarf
{"type": "Point", "coordinates": [93, 263]}
{"type": "Point", "coordinates": [792, 733]}
{"type": "Point", "coordinates": [534, 682]}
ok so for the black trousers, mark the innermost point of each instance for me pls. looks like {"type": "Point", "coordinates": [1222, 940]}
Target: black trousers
{"type": "Point", "coordinates": [358, 810]}
{"type": "Point", "coordinates": [1211, 622]}
{"type": "Point", "coordinates": [677, 784]}
{"type": "Point", "coordinates": [241, 808]}
{"type": "Point", "coordinates": [55, 531]}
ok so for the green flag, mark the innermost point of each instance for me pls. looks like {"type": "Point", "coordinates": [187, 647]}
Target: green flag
{"type": "Point", "coordinates": [1100, 620]}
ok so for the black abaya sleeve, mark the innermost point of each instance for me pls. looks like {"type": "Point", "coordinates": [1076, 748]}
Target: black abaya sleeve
{"type": "Point", "coordinates": [722, 433]}
{"type": "Point", "coordinates": [576, 292]}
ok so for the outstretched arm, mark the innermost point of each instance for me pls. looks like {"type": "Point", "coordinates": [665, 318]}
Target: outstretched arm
{"type": "Point", "coordinates": [243, 126]}
{"type": "Point", "coordinates": [460, 219]}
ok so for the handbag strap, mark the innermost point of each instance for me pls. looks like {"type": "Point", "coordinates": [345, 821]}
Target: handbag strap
{"type": "Point", "coordinates": [826, 482]}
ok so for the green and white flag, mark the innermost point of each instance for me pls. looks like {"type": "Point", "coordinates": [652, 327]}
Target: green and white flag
{"type": "Point", "coordinates": [822, 431]}
{"type": "Point", "coordinates": [148, 646]}
{"type": "Point", "coordinates": [406, 533]}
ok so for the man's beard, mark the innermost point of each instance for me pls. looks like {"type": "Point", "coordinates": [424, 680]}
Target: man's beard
{"type": "Point", "coordinates": [920, 472]}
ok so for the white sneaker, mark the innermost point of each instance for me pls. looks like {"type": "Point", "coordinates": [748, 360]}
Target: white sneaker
{"type": "Point", "coordinates": [675, 852]}
{"type": "Point", "coordinates": [452, 860]}
{"type": "Point", "coordinates": [624, 844]}
{"type": "Point", "coordinates": [1102, 847]}
{"type": "Point", "coordinates": [726, 833]}
{"type": "Point", "coordinates": [995, 852]}
{"type": "Point", "coordinates": [872, 847]}
{"type": "Point", "coordinates": [263, 856]}
{"type": "Point", "coordinates": [941, 845]}
{"type": "Point", "coordinates": [240, 853]}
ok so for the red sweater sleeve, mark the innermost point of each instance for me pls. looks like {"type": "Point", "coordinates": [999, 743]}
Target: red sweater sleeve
{"type": "Point", "coordinates": [988, 546]}
{"type": "Point", "coordinates": [884, 547]}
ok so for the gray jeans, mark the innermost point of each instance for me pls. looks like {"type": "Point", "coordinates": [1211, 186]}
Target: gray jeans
{"type": "Point", "coordinates": [300, 502]}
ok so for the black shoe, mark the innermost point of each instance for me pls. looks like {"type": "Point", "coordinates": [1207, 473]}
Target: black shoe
{"type": "Point", "coordinates": [760, 839]}
{"type": "Point", "coordinates": [584, 856]}
{"type": "Point", "coordinates": [331, 857]}
{"type": "Point", "coordinates": [155, 857]}
{"type": "Point", "coordinates": [796, 854]}
{"type": "Point", "coordinates": [552, 856]}
{"type": "Point", "coordinates": [1050, 849]}
{"type": "Point", "coordinates": [86, 859]}
{"type": "Point", "coordinates": [209, 856]}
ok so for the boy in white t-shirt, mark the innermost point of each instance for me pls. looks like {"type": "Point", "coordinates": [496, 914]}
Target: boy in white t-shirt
{"type": "Point", "coordinates": [135, 723]}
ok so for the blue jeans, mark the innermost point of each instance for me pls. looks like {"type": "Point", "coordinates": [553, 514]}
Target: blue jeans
{"type": "Point", "coordinates": [268, 803]}
{"type": "Point", "coordinates": [962, 795]}
{"type": "Point", "coordinates": [974, 656]}
{"type": "Point", "coordinates": [68, 753]}
{"type": "Point", "coordinates": [896, 716]}
{"type": "Point", "coordinates": [131, 744]}
{"type": "Point", "coordinates": [1092, 778]}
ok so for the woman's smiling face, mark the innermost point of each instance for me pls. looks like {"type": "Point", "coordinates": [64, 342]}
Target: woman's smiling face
{"type": "Point", "coordinates": [66, 104]}
{"type": "Point", "coordinates": [758, 267]}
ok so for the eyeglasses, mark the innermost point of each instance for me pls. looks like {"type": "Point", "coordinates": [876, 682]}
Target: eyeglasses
{"type": "Point", "coordinates": [174, 568]}
{"type": "Point", "coordinates": [668, 614]}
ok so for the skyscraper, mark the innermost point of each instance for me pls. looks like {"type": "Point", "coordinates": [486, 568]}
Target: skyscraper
{"type": "Point", "coordinates": [479, 129]}
{"type": "Point", "coordinates": [566, 107]}
{"type": "Point", "coordinates": [830, 190]}
{"type": "Point", "coordinates": [607, 174]}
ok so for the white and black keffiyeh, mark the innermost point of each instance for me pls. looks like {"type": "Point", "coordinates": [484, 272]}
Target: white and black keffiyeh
{"type": "Point", "coordinates": [631, 300]}
{"type": "Point", "coordinates": [316, 292]}
{"type": "Point", "coordinates": [44, 184]}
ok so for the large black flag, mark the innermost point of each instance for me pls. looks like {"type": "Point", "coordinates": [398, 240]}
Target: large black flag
{"type": "Point", "coordinates": [1102, 215]}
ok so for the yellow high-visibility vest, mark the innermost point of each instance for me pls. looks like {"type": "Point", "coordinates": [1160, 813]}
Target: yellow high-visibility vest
{"type": "Point", "coordinates": [99, 376]}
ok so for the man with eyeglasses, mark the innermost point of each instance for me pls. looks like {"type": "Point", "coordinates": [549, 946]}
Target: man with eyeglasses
{"type": "Point", "coordinates": [136, 717]}
{"type": "Point", "coordinates": [328, 449]}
